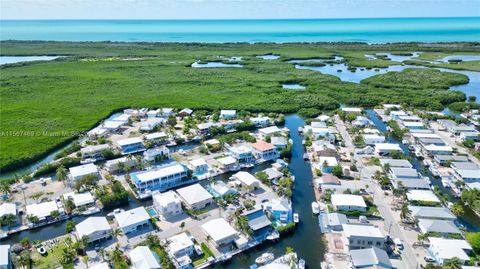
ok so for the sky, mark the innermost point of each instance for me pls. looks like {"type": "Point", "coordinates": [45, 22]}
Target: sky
{"type": "Point", "coordinates": [234, 9]}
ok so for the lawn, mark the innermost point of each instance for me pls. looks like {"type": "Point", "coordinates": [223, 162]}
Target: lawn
{"type": "Point", "coordinates": [197, 260]}
{"type": "Point", "coordinates": [52, 260]}
{"type": "Point", "coordinates": [47, 104]}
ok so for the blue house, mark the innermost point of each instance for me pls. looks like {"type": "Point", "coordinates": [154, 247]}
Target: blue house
{"type": "Point", "coordinates": [130, 145]}
{"type": "Point", "coordinates": [259, 223]}
{"type": "Point", "coordinates": [280, 210]}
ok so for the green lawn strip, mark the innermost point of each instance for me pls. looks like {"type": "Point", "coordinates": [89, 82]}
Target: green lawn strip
{"type": "Point", "coordinates": [197, 260]}
{"type": "Point", "coordinates": [52, 260]}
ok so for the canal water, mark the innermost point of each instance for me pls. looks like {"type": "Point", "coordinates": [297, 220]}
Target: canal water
{"type": "Point", "coordinates": [469, 219]}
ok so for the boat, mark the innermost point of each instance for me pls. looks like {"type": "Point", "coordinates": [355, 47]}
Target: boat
{"type": "Point", "coordinates": [225, 257]}
{"type": "Point", "coordinates": [296, 218]}
{"type": "Point", "coordinates": [265, 258]}
{"type": "Point", "coordinates": [301, 264]}
{"type": "Point", "coordinates": [315, 208]}
{"type": "Point", "coordinates": [305, 156]}
{"type": "Point", "coordinates": [405, 141]}
{"type": "Point", "coordinates": [90, 211]}
{"type": "Point", "coordinates": [300, 130]}
{"type": "Point", "coordinates": [411, 147]}
{"type": "Point", "coordinates": [115, 211]}
{"type": "Point", "coordinates": [274, 235]}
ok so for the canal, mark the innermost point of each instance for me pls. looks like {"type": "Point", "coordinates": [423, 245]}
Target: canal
{"type": "Point", "coordinates": [469, 219]}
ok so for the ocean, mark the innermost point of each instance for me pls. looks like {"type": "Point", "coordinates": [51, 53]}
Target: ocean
{"type": "Point", "coordinates": [381, 30]}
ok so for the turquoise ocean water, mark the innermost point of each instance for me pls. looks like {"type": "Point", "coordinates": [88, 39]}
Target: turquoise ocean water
{"type": "Point", "coordinates": [312, 30]}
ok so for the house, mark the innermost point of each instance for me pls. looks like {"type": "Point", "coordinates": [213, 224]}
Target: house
{"type": "Point", "coordinates": [329, 222]}
{"type": "Point", "coordinates": [413, 125]}
{"type": "Point", "coordinates": [265, 151]}
{"type": "Point", "coordinates": [396, 114]}
{"type": "Point", "coordinates": [96, 229]}
{"type": "Point", "coordinates": [372, 139]}
{"type": "Point", "coordinates": [247, 180]}
{"type": "Point", "coordinates": [199, 166]}
{"type": "Point", "coordinates": [323, 118]}
{"type": "Point", "coordinates": [230, 124]}
{"type": "Point", "coordinates": [355, 110]}
{"type": "Point", "coordinates": [5, 257]}
{"type": "Point", "coordinates": [383, 149]}
{"type": "Point", "coordinates": [150, 124]}
{"type": "Point", "coordinates": [133, 220]}
{"type": "Point", "coordinates": [97, 132]}
{"type": "Point", "coordinates": [273, 174]}
{"type": "Point", "coordinates": [318, 124]}
{"type": "Point", "coordinates": [195, 197]}
{"type": "Point", "coordinates": [160, 178]}
{"type": "Point", "coordinates": [204, 128]}
{"type": "Point", "coordinates": [279, 142]}
{"type": "Point", "coordinates": [130, 145]}
{"type": "Point", "coordinates": [185, 112]}
{"type": "Point", "coordinates": [442, 227]}
{"type": "Point", "coordinates": [180, 245]}
{"type": "Point", "coordinates": [444, 159]}
{"type": "Point", "coordinates": [117, 165]}
{"type": "Point", "coordinates": [221, 189]}
{"type": "Point", "coordinates": [348, 202]}
{"type": "Point", "coordinates": [467, 172]}
{"type": "Point", "coordinates": [134, 112]}
{"type": "Point", "coordinates": [8, 209]}
{"type": "Point", "coordinates": [327, 179]}
{"type": "Point", "coordinates": [220, 232]}
{"type": "Point", "coordinates": [80, 171]}
{"type": "Point", "coordinates": [94, 152]}
{"type": "Point", "coordinates": [167, 204]}
{"type": "Point", "coordinates": [396, 163]}
{"type": "Point", "coordinates": [157, 154]}
{"type": "Point", "coordinates": [434, 150]}
{"type": "Point", "coordinates": [228, 114]}
{"type": "Point", "coordinates": [360, 236]}
{"type": "Point", "coordinates": [111, 126]}
{"type": "Point", "coordinates": [166, 112]}
{"type": "Point", "coordinates": [260, 121]}
{"type": "Point", "coordinates": [279, 210]}
{"type": "Point", "coordinates": [370, 258]}
{"type": "Point", "coordinates": [361, 121]}
{"type": "Point", "coordinates": [43, 210]}
{"type": "Point", "coordinates": [156, 138]}
{"type": "Point", "coordinates": [259, 223]}
{"type": "Point", "coordinates": [461, 128]}
{"type": "Point", "coordinates": [437, 141]}
{"type": "Point", "coordinates": [80, 200]}
{"type": "Point", "coordinates": [326, 164]}
{"type": "Point", "coordinates": [323, 148]}
{"type": "Point", "coordinates": [434, 213]}
{"type": "Point", "coordinates": [142, 257]}
{"type": "Point", "coordinates": [153, 113]}
{"type": "Point", "coordinates": [443, 249]}
{"type": "Point", "coordinates": [399, 173]}
{"type": "Point", "coordinates": [243, 154]}
{"type": "Point", "coordinates": [212, 143]}
{"type": "Point", "coordinates": [270, 131]}
{"type": "Point", "coordinates": [321, 133]}
{"type": "Point", "coordinates": [228, 163]}
{"type": "Point", "coordinates": [409, 118]}
{"type": "Point", "coordinates": [422, 196]}
{"type": "Point", "coordinates": [411, 184]}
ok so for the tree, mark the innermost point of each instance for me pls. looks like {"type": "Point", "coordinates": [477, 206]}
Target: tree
{"type": "Point", "coordinates": [289, 250]}
{"type": "Point", "coordinates": [86, 259]}
{"type": "Point", "coordinates": [70, 226]}
{"type": "Point", "coordinates": [172, 121]}
{"type": "Point", "coordinates": [25, 242]}
{"type": "Point", "coordinates": [457, 209]}
{"type": "Point", "coordinates": [33, 219]}
{"type": "Point", "coordinates": [337, 170]}
{"type": "Point", "coordinates": [55, 214]}
{"type": "Point", "coordinates": [386, 167]}
{"type": "Point", "coordinates": [453, 263]}
{"type": "Point", "coordinates": [472, 99]}
{"type": "Point", "coordinates": [474, 239]}
{"type": "Point", "coordinates": [61, 173]}
{"type": "Point", "coordinates": [182, 225]}
{"type": "Point", "coordinates": [8, 220]}
{"type": "Point", "coordinates": [5, 187]}
{"type": "Point", "coordinates": [117, 232]}
{"type": "Point", "coordinates": [25, 259]}
{"type": "Point", "coordinates": [405, 212]}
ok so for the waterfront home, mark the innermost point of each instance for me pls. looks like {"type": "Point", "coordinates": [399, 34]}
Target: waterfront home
{"type": "Point", "coordinates": [8, 209]}
{"type": "Point", "coordinates": [409, 118]}
{"type": "Point", "coordinates": [323, 148]}
{"type": "Point", "coordinates": [246, 180]}
{"type": "Point", "coordinates": [150, 124]}
{"type": "Point", "coordinates": [372, 139]}
{"type": "Point", "coordinates": [195, 197]}
{"type": "Point", "coordinates": [360, 236]}
{"type": "Point", "coordinates": [434, 150]}
{"type": "Point", "coordinates": [396, 114]}
{"type": "Point", "coordinates": [166, 112]}
{"type": "Point", "coordinates": [142, 257]}
{"type": "Point", "coordinates": [323, 118]}
{"type": "Point", "coordinates": [228, 114]}
{"type": "Point", "coordinates": [355, 110]}
{"type": "Point", "coordinates": [180, 245]}
{"type": "Point", "coordinates": [326, 134]}
{"type": "Point", "coordinates": [318, 124]}
{"type": "Point", "coordinates": [167, 204]}
{"type": "Point", "coordinates": [396, 163]}
{"type": "Point", "coordinates": [130, 145]}
{"type": "Point", "coordinates": [392, 106]}
{"type": "Point", "coordinates": [185, 112]}
{"type": "Point", "coordinates": [111, 126]}
{"type": "Point", "coordinates": [212, 143]}
{"type": "Point", "coordinates": [5, 257]}
{"type": "Point", "coordinates": [412, 125]}
{"type": "Point", "coordinates": [80, 200]}
{"type": "Point", "coordinates": [329, 222]}
{"type": "Point", "coordinates": [44, 210]}
{"type": "Point", "coordinates": [327, 179]}
{"type": "Point", "coordinates": [157, 154]}
{"type": "Point", "coordinates": [471, 135]}
{"type": "Point", "coordinates": [280, 210]}
{"type": "Point", "coordinates": [279, 164]}
{"type": "Point", "coordinates": [221, 189]}
{"type": "Point", "coordinates": [383, 149]}
{"type": "Point", "coordinates": [467, 172]}
{"type": "Point", "coordinates": [260, 121]}
{"type": "Point", "coordinates": [443, 249]}
{"type": "Point", "coordinates": [228, 163]}
{"type": "Point", "coordinates": [361, 121]}
{"type": "Point", "coordinates": [153, 113]}
{"type": "Point", "coordinates": [442, 227]}
{"type": "Point", "coordinates": [411, 184]}
{"type": "Point", "coordinates": [434, 213]}
{"type": "Point", "coordinates": [229, 125]}
{"type": "Point", "coordinates": [97, 132]}
{"type": "Point", "coordinates": [259, 223]}
{"type": "Point", "coordinates": [279, 142]}
{"type": "Point", "coordinates": [425, 141]}
{"type": "Point", "coordinates": [243, 154]}
{"type": "Point", "coordinates": [399, 173]}
{"type": "Point", "coordinates": [370, 258]}
{"type": "Point", "coordinates": [160, 178]}
{"type": "Point", "coordinates": [117, 165]}
{"type": "Point", "coordinates": [94, 152]}
{"type": "Point", "coordinates": [156, 138]}
{"type": "Point", "coordinates": [264, 151]}
{"type": "Point", "coordinates": [135, 112]}
{"type": "Point", "coordinates": [270, 131]}
{"type": "Point", "coordinates": [422, 196]}
{"type": "Point", "coordinates": [461, 128]}
{"type": "Point", "coordinates": [133, 219]}
{"type": "Point", "coordinates": [348, 202]}
{"type": "Point", "coordinates": [326, 164]}
{"type": "Point", "coordinates": [273, 174]}
{"type": "Point", "coordinates": [444, 159]}
{"type": "Point", "coordinates": [96, 229]}
{"type": "Point", "coordinates": [220, 232]}
{"type": "Point", "coordinates": [204, 128]}
{"type": "Point", "coordinates": [77, 172]}
{"type": "Point", "coordinates": [199, 166]}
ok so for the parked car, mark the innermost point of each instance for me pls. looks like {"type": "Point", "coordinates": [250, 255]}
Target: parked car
{"type": "Point", "coordinates": [198, 250]}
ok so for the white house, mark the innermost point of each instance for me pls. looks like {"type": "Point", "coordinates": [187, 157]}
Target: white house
{"type": "Point", "coordinates": [195, 196]}
{"type": "Point", "coordinates": [43, 210]}
{"type": "Point", "coordinates": [270, 131]}
{"type": "Point", "coordinates": [220, 232]}
{"type": "Point", "coordinates": [143, 258]}
{"type": "Point", "coordinates": [399, 173]}
{"type": "Point", "coordinates": [372, 139]}
{"type": "Point", "coordinates": [180, 245]}
{"type": "Point", "coordinates": [94, 152]}
{"type": "Point", "coordinates": [153, 154]}
{"type": "Point", "coordinates": [370, 258]}
{"type": "Point", "coordinates": [160, 178]}
{"type": "Point", "coordinates": [228, 163]}
{"type": "Point", "coordinates": [428, 212]}
{"type": "Point", "coordinates": [395, 114]}
{"type": "Point", "coordinates": [386, 148]}
{"type": "Point", "coordinates": [228, 114]}
{"type": "Point", "coordinates": [80, 171]}
{"type": "Point", "coordinates": [265, 151]}
{"type": "Point", "coordinates": [220, 189]}
{"type": "Point", "coordinates": [279, 142]}
{"type": "Point", "coordinates": [96, 229]}
{"type": "Point", "coordinates": [443, 249]}
{"type": "Point", "coordinates": [8, 209]}
{"type": "Point", "coordinates": [348, 202]}
{"type": "Point", "coordinates": [150, 124]}
{"type": "Point", "coordinates": [246, 179]}
{"type": "Point", "coordinates": [326, 164]}
{"type": "Point", "coordinates": [199, 166]}
{"type": "Point", "coordinates": [361, 121]}
{"type": "Point", "coordinates": [156, 137]}
{"type": "Point", "coordinates": [355, 110]}
{"type": "Point", "coordinates": [166, 112]}
{"type": "Point", "coordinates": [5, 257]}
{"type": "Point", "coordinates": [360, 236]}
{"type": "Point", "coordinates": [422, 196]}
{"type": "Point", "coordinates": [260, 121]}
{"type": "Point", "coordinates": [242, 153]}
{"type": "Point", "coordinates": [167, 203]}
{"type": "Point", "coordinates": [132, 220]}
{"type": "Point", "coordinates": [130, 145]}
{"type": "Point", "coordinates": [113, 166]}
{"type": "Point", "coordinates": [396, 163]}
{"type": "Point", "coordinates": [80, 200]}
{"type": "Point", "coordinates": [438, 150]}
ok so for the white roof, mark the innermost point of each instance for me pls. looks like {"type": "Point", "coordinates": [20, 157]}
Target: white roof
{"type": "Point", "coordinates": [227, 160]}
{"type": "Point", "coordinates": [110, 124]}
{"type": "Point", "coordinates": [8, 209]}
{"type": "Point", "coordinates": [143, 258]}
{"type": "Point", "coordinates": [212, 141]}
{"type": "Point", "coordinates": [269, 130]}
{"type": "Point", "coordinates": [94, 148]}
{"type": "Point", "coordinates": [160, 172]}
{"type": "Point", "coordinates": [92, 225]}
{"type": "Point", "coordinates": [165, 198]}
{"type": "Point", "coordinates": [179, 242]}
{"type": "Point", "coordinates": [362, 230]}
{"type": "Point", "coordinates": [198, 162]}
{"type": "Point", "coordinates": [228, 112]}
{"type": "Point", "coordinates": [240, 149]}
{"type": "Point", "coordinates": [445, 249]}
{"type": "Point", "coordinates": [425, 135]}
{"type": "Point", "coordinates": [469, 173]}
{"type": "Point", "coordinates": [129, 141]}
{"type": "Point", "coordinates": [397, 112]}
{"type": "Point", "coordinates": [4, 255]}
{"type": "Point", "coordinates": [412, 123]}
{"type": "Point", "coordinates": [219, 229]}
{"type": "Point", "coordinates": [132, 216]}
{"type": "Point", "coordinates": [387, 146]}
{"type": "Point", "coordinates": [373, 136]}
{"type": "Point", "coordinates": [422, 195]}
{"type": "Point", "coordinates": [80, 199]}
{"type": "Point", "coordinates": [348, 200]}
{"type": "Point", "coordinates": [259, 119]}
{"type": "Point", "coordinates": [331, 161]}
{"type": "Point", "coordinates": [102, 265]}
{"type": "Point", "coordinates": [352, 109]}
{"type": "Point", "coordinates": [156, 135]}
{"type": "Point", "coordinates": [396, 163]}
{"type": "Point", "coordinates": [123, 117]}
{"type": "Point", "coordinates": [433, 147]}
{"type": "Point", "coordinates": [83, 170]}
{"type": "Point", "coordinates": [97, 131]}
{"type": "Point", "coordinates": [41, 210]}
{"type": "Point", "coordinates": [194, 193]}
{"type": "Point", "coordinates": [246, 178]}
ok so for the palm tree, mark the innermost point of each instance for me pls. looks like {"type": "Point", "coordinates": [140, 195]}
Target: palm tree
{"type": "Point", "coordinates": [453, 263]}
{"type": "Point", "coordinates": [5, 187]}
{"type": "Point", "coordinates": [405, 212]}
{"type": "Point", "coordinates": [386, 167]}
{"type": "Point", "coordinates": [101, 251]}
{"type": "Point", "coordinates": [24, 259]}
{"type": "Point", "coordinates": [61, 173]}
{"type": "Point", "coordinates": [86, 259]}
{"type": "Point", "coordinates": [117, 232]}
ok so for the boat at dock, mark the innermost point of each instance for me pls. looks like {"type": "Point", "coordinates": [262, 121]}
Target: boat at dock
{"type": "Point", "coordinates": [300, 130]}
{"type": "Point", "coordinates": [115, 211]}
{"type": "Point", "coordinates": [90, 211]}
{"type": "Point", "coordinates": [301, 264]}
{"type": "Point", "coordinates": [315, 208]}
{"type": "Point", "coordinates": [296, 218]}
{"type": "Point", "coordinates": [265, 258]}
{"type": "Point", "coordinates": [274, 235]}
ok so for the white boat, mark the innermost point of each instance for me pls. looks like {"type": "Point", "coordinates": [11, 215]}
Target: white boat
{"type": "Point", "coordinates": [265, 258]}
{"type": "Point", "coordinates": [301, 264]}
{"type": "Point", "coordinates": [90, 211]}
{"type": "Point", "coordinates": [315, 208]}
{"type": "Point", "coordinates": [115, 211]}
{"type": "Point", "coordinates": [296, 218]}
{"type": "Point", "coordinates": [300, 130]}
{"type": "Point", "coordinates": [405, 141]}
{"type": "Point", "coordinates": [273, 235]}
